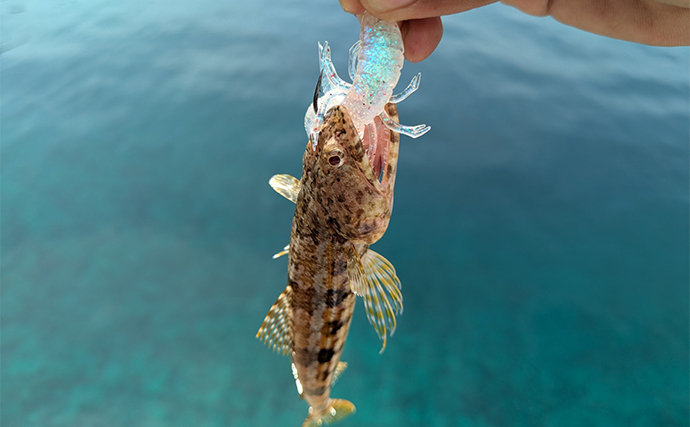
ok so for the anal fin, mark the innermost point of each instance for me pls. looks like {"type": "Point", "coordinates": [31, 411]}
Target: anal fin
{"type": "Point", "coordinates": [275, 330]}
{"type": "Point", "coordinates": [339, 368]}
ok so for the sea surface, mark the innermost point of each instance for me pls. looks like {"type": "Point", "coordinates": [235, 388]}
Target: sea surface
{"type": "Point", "coordinates": [540, 229]}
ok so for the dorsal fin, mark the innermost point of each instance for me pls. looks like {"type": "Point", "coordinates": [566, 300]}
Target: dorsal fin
{"type": "Point", "coordinates": [285, 185]}
{"type": "Point", "coordinates": [275, 330]}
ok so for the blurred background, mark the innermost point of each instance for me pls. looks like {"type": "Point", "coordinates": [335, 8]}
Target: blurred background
{"type": "Point", "coordinates": [540, 229]}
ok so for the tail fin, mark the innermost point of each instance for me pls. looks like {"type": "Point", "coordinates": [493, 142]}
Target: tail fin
{"type": "Point", "coordinates": [337, 410]}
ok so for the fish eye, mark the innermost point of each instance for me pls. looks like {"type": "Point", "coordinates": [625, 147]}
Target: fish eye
{"type": "Point", "coordinates": [335, 158]}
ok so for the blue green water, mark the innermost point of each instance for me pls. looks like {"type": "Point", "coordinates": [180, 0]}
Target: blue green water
{"type": "Point", "coordinates": [540, 229]}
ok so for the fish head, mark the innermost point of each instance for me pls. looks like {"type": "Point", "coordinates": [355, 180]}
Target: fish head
{"type": "Point", "coordinates": [355, 197]}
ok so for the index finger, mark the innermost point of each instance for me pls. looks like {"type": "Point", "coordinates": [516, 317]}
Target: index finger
{"type": "Point", "coordinates": [402, 10]}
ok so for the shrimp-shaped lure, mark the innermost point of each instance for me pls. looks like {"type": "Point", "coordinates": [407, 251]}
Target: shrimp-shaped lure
{"type": "Point", "coordinates": [374, 66]}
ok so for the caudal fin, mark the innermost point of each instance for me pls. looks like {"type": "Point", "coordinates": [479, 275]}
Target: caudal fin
{"type": "Point", "coordinates": [336, 411]}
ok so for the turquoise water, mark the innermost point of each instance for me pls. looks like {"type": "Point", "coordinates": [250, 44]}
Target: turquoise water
{"type": "Point", "coordinates": [540, 229]}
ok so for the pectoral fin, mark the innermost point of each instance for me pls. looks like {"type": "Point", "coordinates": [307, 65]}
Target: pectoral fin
{"type": "Point", "coordinates": [275, 330]}
{"type": "Point", "coordinates": [382, 296]}
{"type": "Point", "coordinates": [285, 185]}
{"type": "Point", "coordinates": [355, 271]}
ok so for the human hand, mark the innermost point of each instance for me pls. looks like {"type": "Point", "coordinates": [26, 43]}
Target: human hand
{"type": "Point", "coordinates": [653, 22]}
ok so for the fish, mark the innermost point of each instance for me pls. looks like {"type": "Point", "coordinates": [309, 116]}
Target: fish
{"type": "Point", "coordinates": [344, 201]}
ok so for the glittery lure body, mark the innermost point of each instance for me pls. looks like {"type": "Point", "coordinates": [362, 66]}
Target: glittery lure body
{"type": "Point", "coordinates": [375, 63]}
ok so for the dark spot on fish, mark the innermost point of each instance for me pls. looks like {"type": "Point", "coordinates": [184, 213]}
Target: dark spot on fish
{"type": "Point", "coordinates": [314, 236]}
{"type": "Point", "coordinates": [324, 375]}
{"type": "Point", "coordinates": [303, 298]}
{"type": "Point", "coordinates": [335, 297]}
{"type": "Point", "coordinates": [341, 198]}
{"type": "Point", "coordinates": [334, 326]}
{"type": "Point", "coordinates": [359, 196]}
{"type": "Point", "coordinates": [306, 356]}
{"type": "Point", "coordinates": [358, 155]}
{"type": "Point", "coordinates": [333, 223]}
{"type": "Point", "coordinates": [325, 355]}
{"type": "Point", "coordinates": [360, 212]}
{"type": "Point", "coordinates": [340, 267]}
{"type": "Point", "coordinates": [366, 227]}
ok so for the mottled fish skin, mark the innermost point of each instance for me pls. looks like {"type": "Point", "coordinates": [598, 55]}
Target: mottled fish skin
{"type": "Point", "coordinates": [341, 207]}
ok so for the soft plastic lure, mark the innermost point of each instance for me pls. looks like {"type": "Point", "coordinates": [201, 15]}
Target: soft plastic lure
{"type": "Point", "coordinates": [374, 66]}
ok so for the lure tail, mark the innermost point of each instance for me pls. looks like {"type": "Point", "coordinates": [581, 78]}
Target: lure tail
{"type": "Point", "coordinates": [336, 410]}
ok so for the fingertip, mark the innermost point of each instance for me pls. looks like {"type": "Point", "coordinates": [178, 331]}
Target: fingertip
{"type": "Point", "coordinates": [352, 6]}
{"type": "Point", "coordinates": [530, 7]}
{"type": "Point", "coordinates": [402, 10]}
{"type": "Point", "coordinates": [421, 37]}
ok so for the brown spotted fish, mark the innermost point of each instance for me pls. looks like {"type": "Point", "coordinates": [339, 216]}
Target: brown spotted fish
{"type": "Point", "coordinates": [343, 205]}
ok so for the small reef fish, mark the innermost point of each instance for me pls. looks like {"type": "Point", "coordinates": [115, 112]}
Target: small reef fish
{"type": "Point", "coordinates": [343, 204]}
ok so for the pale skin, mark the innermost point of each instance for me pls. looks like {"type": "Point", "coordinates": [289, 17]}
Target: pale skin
{"type": "Point", "coordinates": [651, 22]}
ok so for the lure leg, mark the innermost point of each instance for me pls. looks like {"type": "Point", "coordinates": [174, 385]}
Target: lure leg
{"type": "Point", "coordinates": [411, 131]}
{"type": "Point", "coordinates": [354, 59]}
{"type": "Point", "coordinates": [314, 132]}
{"type": "Point", "coordinates": [409, 90]}
{"type": "Point", "coordinates": [328, 69]}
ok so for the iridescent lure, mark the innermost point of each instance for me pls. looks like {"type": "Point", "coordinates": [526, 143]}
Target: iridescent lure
{"type": "Point", "coordinates": [374, 66]}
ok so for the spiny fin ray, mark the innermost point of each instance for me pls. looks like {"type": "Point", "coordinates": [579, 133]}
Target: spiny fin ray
{"type": "Point", "coordinates": [285, 251]}
{"type": "Point", "coordinates": [339, 368]}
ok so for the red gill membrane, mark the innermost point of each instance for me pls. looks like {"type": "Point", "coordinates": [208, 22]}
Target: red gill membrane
{"type": "Point", "coordinates": [376, 142]}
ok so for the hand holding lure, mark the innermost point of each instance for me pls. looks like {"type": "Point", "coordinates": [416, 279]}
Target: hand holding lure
{"type": "Point", "coordinates": [374, 66]}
